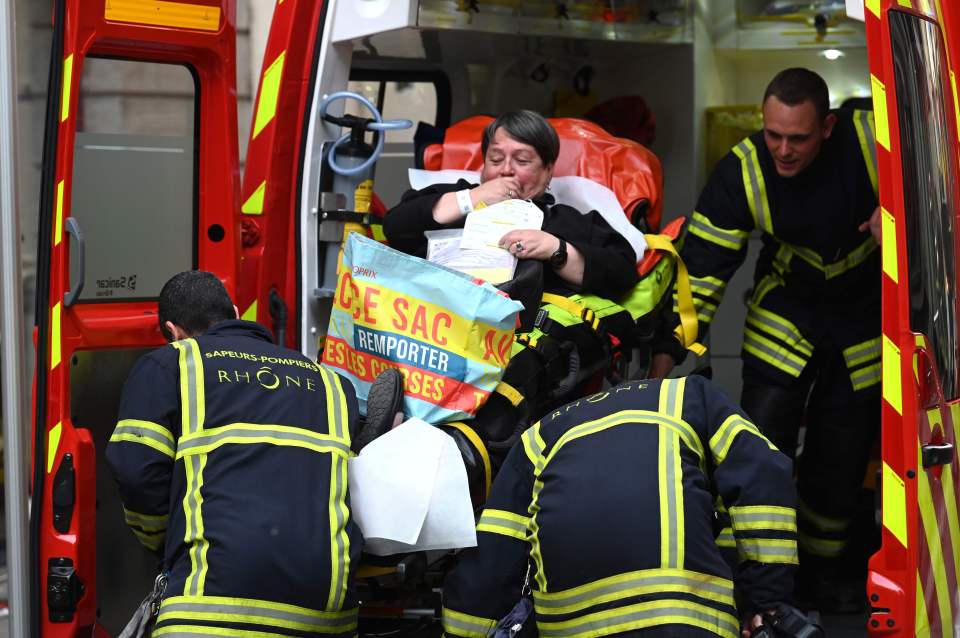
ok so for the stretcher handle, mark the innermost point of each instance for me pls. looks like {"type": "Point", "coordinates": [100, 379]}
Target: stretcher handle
{"type": "Point", "coordinates": [76, 287]}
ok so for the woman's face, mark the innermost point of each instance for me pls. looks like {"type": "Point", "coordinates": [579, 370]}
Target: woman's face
{"type": "Point", "coordinates": [506, 157]}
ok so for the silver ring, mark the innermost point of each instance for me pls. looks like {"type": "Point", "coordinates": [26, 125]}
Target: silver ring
{"type": "Point", "coordinates": [519, 247]}
{"type": "Point", "coordinates": [510, 194]}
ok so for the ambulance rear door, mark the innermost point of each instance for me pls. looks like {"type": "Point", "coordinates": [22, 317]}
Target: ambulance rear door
{"type": "Point", "coordinates": [140, 180]}
{"type": "Point", "coordinates": [913, 579]}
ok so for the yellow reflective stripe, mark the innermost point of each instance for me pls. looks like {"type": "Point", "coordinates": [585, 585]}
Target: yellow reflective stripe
{"type": "Point", "coordinates": [53, 443]}
{"type": "Point", "coordinates": [146, 522]}
{"type": "Point", "coordinates": [163, 13]}
{"type": "Point", "coordinates": [892, 392]}
{"type": "Point", "coordinates": [264, 608]}
{"type": "Point", "coordinates": [701, 226]}
{"type": "Point", "coordinates": [723, 438]}
{"type": "Point", "coordinates": [254, 203]}
{"type": "Point", "coordinates": [461, 624]}
{"type": "Point", "coordinates": [726, 539]}
{"type": "Point", "coordinates": [269, 93]}
{"type": "Point", "coordinates": [146, 433]}
{"type": "Point", "coordinates": [768, 550]}
{"type": "Point", "coordinates": [504, 523]}
{"type": "Point", "coordinates": [766, 284]}
{"type": "Point", "coordinates": [853, 259]}
{"type": "Point", "coordinates": [337, 414]}
{"type": "Point", "coordinates": [671, 397]}
{"type": "Point", "coordinates": [862, 352]}
{"type": "Point", "coordinates": [779, 327]}
{"type": "Point", "coordinates": [866, 377]}
{"type": "Point", "coordinates": [863, 122]}
{"type": "Point", "coordinates": [873, 6]}
{"type": "Point", "coordinates": [55, 352]}
{"type": "Point", "coordinates": [252, 433]}
{"type": "Point", "coordinates": [687, 330]}
{"type": "Point", "coordinates": [58, 229]}
{"type": "Point", "coordinates": [709, 287]}
{"type": "Point", "coordinates": [642, 615]}
{"type": "Point", "coordinates": [250, 314]}
{"type": "Point", "coordinates": [633, 584]}
{"type": "Point", "coordinates": [509, 392]}
{"type": "Point", "coordinates": [640, 417]}
{"type": "Point", "coordinates": [888, 240]}
{"type": "Point", "coordinates": [534, 446]}
{"type": "Point", "coordinates": [764, 517]}
{"type": "Point", "coordinates": [671, 501]}
{"type": "Point", "coordinates": [197, 631]}
{"type": "Point", "coordinates": [536, 556]}
{"type": "Point", "coordinates": [339, 540]}
{"type": "Point", "coordinates": [150, 540]}
{"type": "Point", "coordinates": [882, 123]}
{"type": "Point", "coordinates": [894, 504]}
{"type": "Point", "coordinates": [191, 386]}
{"type": "Point", "coordinates": [65, 92]}
{"type": "Point", "coordinates": [821, 522]}
{"type": "Point", "coordinates": [754, 185]}
{"type": "Point", "coordinates": [773, 353]}
{"type": "Point", "coordinates": [150, 426]}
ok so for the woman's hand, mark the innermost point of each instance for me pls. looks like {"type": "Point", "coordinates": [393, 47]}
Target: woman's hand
{"type": "Point", "coordinates": [496, 190]}
{"type": "Point", "coordinates": [530, 244]}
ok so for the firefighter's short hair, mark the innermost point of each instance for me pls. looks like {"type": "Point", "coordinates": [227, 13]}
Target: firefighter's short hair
{"type": "Point", "coordinates": [194, 300]}
{"type": "Point", "coordinates": [528, 127]}
{"type": "Point", "coordinates": [797, 85]}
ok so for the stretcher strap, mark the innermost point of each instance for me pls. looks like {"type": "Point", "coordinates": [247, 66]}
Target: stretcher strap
{"type": "Point", "coordinates": [688, 329]}
{"type": "Point", "coordinates": [474, 439]}
{"type": "Point", "coordinates": [574, 308]}
{"type": "Point", "coordinates": [510, 393]}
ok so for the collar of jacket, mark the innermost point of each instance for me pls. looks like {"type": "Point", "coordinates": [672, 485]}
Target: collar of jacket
{"type": "Point", "coordinates": [239, 327]}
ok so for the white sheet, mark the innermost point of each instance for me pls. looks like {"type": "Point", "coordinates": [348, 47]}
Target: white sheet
{"type": "Point", "coordinates": [409, 492]}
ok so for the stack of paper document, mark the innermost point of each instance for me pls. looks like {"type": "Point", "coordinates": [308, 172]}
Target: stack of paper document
{"type": "Point", "coordinates": [475, 250]}
{"type": "Point", "coordinates": [409, 492]}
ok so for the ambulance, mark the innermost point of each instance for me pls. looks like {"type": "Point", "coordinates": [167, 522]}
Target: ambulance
{"type": "Point", "coordinates": [122, 211]}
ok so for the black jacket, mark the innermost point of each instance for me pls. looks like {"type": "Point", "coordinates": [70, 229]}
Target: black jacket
{"type": "Point", "coordinates": [610, 500]}
{"type": "Point", "coordinates": [231, 455]}
{"type": "Point", "coordinates": [610, 268]}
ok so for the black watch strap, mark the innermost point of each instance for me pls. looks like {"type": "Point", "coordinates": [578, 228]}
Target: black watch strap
{"type": "Point", "coordinates": [559, 258]}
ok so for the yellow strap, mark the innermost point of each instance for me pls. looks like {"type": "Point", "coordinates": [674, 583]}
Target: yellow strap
{"type": "Point", "coordinates": [474, 438]}
{"type": "Point", "coordinates": [689, 327]}
{"type": "Point", "coordinates": [573, 307]}
{"type": "Point", "coordinates": [510, 393]}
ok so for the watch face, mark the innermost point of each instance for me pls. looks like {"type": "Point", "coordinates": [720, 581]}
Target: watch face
{"type": "Point", "coordinates": [558, 259]}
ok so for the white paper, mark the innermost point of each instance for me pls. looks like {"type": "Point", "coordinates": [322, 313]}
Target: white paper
{"type": "Point", "coordinates": [490, 264]}
{"type": "Point", "coordinates": [485, 227]}
{"type": "Point", "coordinates": [855, 9]}
{"type": "Point", "coordinates": [409, 492]}
{"type": "Point", "coordinates": [579, 192]}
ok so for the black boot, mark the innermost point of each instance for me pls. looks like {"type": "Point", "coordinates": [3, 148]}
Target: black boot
{"type": "Point", "coordinates": [384, 401]}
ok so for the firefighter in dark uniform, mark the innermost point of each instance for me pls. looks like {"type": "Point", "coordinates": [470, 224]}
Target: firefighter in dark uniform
{"type": "Point", "coordinates": [811, 345]}
{"type": "Point", "coordinates": [231, 457]}
{"type": "Point", "coordinates": [610, 502]}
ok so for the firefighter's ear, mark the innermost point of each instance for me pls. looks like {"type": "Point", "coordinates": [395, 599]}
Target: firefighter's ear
{"type": "Point", "coordinates": [828, 123]}
{"type": "Point", "coordinates": [176, 332]}
{"type": "Point", "coordinates": [236, 312]}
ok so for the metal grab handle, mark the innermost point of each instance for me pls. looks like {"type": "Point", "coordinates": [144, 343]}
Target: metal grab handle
{"type": "Point", "coordinates": [76, 287]}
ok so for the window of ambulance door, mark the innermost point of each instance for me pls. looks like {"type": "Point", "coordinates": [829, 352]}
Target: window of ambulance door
{"type": "Point", "coordinates": [418, 97]}
{"type": "Point", "coordinates": [930, 188]}
{"type": "Point", "coordinates": [134, 182]}
{"type": "Point", "coordinates": [134, 194]}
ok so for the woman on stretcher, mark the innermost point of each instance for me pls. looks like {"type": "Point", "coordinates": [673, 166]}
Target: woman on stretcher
{"type": "Point", "coordinates": [576, 252]}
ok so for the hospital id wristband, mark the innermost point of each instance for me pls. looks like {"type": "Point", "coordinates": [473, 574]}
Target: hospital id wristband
{"type": "Point", "coordinates": [464, 202]}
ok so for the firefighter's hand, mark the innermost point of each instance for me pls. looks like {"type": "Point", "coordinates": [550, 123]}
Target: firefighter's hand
{"type": "Point", "coordinates": [750, 623]}
{"type": "Point", "coordinates": [497, 190]}
{"type": "Point", "coordinates": [873, 224]}
{"type": "Point", "coordinates": [530, 244]}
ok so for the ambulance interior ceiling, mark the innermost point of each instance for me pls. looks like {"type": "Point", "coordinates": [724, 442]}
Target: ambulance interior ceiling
{"type": "Point", "coordinates": [489, 73]}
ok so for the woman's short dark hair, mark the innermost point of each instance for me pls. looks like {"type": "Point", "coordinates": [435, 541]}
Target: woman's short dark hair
{"type": "Point", "coordinates": [797, 85]}
{"type": "Point", "coordinates": [194, 300]}
{"type": "Point", "coordinates": [527, 127]}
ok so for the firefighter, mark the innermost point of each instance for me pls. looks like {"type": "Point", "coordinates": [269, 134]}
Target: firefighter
{"type": "Point", "coordinates": [607, 505]}
{"type": "Point", "coordinates": [231, 457]}
{"type": "Point", "coordinates": [811, 346]}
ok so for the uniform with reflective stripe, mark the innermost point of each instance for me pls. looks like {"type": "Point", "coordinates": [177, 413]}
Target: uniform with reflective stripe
{"type": "Point", "coordinates": [654, 563]}
{"type": "Point", "coordinates": [230, 454]}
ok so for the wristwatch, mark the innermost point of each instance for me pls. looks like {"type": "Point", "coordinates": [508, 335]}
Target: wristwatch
{"type": "Point", "coordinates": [559, 258]}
